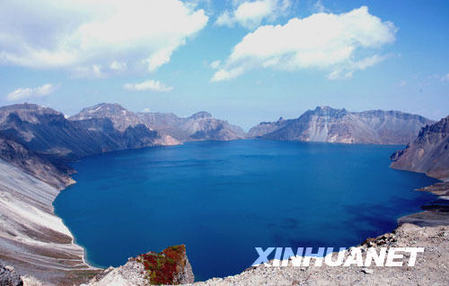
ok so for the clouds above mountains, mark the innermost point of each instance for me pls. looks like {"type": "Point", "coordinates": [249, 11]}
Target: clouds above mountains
{"type": "Point", "coordinates": [325, 41]}
{"type": "Point", "coordinates": [96, 37]}
{"type": "Point", "coordinates": [27, 93]}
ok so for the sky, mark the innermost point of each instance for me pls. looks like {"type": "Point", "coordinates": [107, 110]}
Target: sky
{"type": "Point", "coordinates": [244, 61]}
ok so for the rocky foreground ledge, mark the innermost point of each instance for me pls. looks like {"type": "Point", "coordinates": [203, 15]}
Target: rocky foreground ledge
{"type": "Point", "coordinates": [430, 268]}
{"type": "Point", "coordinates": [171, 266]}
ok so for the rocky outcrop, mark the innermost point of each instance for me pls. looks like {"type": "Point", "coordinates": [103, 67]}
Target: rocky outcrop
{"type": "Point", "coordinates": [325, 124]}
{"type": "Point", "coordinates": [32, 238]}
{"type": "Point", "coordinates": [169, 267]}
{"type": "Point", "coordinates": [199, 126]}
{"type": "Point", "coordinates": [8, 277]}
{"type": "Point", "coordinates": [428, 153]}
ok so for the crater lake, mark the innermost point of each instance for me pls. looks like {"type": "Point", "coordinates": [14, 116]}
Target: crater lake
{"type": "Point", "coordinates": [223, 199]}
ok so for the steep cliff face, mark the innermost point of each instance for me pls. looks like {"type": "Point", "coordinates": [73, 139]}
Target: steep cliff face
{"type": "Point", "coordinates": [325, 124]}
{"type": "Point", "coordinates": [199, 126]}
{"type": "Point", "coordinates": [428, 153]}
{"type": "Point", "coordinates": [32, 238]}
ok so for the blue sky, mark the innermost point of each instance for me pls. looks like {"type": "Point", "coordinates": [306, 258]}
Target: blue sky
{"type": "Point", "coordinates": [243, 61]}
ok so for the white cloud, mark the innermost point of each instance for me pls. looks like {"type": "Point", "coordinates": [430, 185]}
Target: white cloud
{"type": "Point", "coordinates": [153, 85]}
{"type": "Point", "coordinates": [24, 93]}
{"type": "Point", "coordinates": [118, 66]}
{"type": "Point", "coordinates": [92, 71]}
{"type": "Point", "coordinates": [215, 64]}
{"type": "Point", "coordinates": [331, 42]}
{"type": "Point", "coordinates": [85, 33]}
{"type": "Point", "coordinates": [250, 14]}
{"type": "Point", "coordinates": [347, 70]}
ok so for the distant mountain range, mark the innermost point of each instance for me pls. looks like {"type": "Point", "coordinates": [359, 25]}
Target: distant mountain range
{"type": "Point", "coordinates": [199, 126]}
{"type": "Point", "coordinates": [33, 133]}
{"type": "Point", "coordinates": [428, 153]}
{"type": "Point", "coordinates": [326, 124]}
{"type": "Point", "coordinates": [42, 141]}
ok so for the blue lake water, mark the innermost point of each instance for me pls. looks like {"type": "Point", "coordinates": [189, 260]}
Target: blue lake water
{"type": "Point", "coordinates": [222, 199]}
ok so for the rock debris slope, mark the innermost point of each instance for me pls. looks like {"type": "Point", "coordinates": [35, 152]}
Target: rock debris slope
{"type": "Point", "coordinates": [32, 239]}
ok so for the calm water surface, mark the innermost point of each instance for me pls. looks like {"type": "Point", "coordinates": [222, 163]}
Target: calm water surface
{"type": "Point", "coordinates": [222, 199]}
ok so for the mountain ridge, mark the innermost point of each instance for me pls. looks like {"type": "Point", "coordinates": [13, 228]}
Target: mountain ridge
{"type": "Point", "coordinates": [327, 124]}
{"type": "Point", "coordinates": [199, 126]}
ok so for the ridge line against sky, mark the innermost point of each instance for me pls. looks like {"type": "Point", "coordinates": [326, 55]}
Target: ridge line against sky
{"type": "Point", "coordinates": [243, 60]}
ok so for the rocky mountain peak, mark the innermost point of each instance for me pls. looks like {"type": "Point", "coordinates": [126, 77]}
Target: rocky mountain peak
{"type": "Point", "coordinates": [329, 111]}
{"type": "Point", "coordinates": [201, 115]}
{"type": "Point", "coordinates": [26, 112]}
{"type": "Point", "coordinates": [441, 126]}
{"type": "Point", "coordinates": [120, 117]}
{"type": "Point", "coordinates": [323, 108]}
{"type": "Point", "coordinates": [101, 110]}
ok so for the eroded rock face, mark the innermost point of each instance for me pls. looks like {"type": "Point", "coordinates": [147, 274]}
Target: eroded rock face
{"type": "Point", "coordinates": [428, 153]}
{"type": "Point", "coordinates": [325, 124]}
{"type": "Point", "coordinates": [169, 267]}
